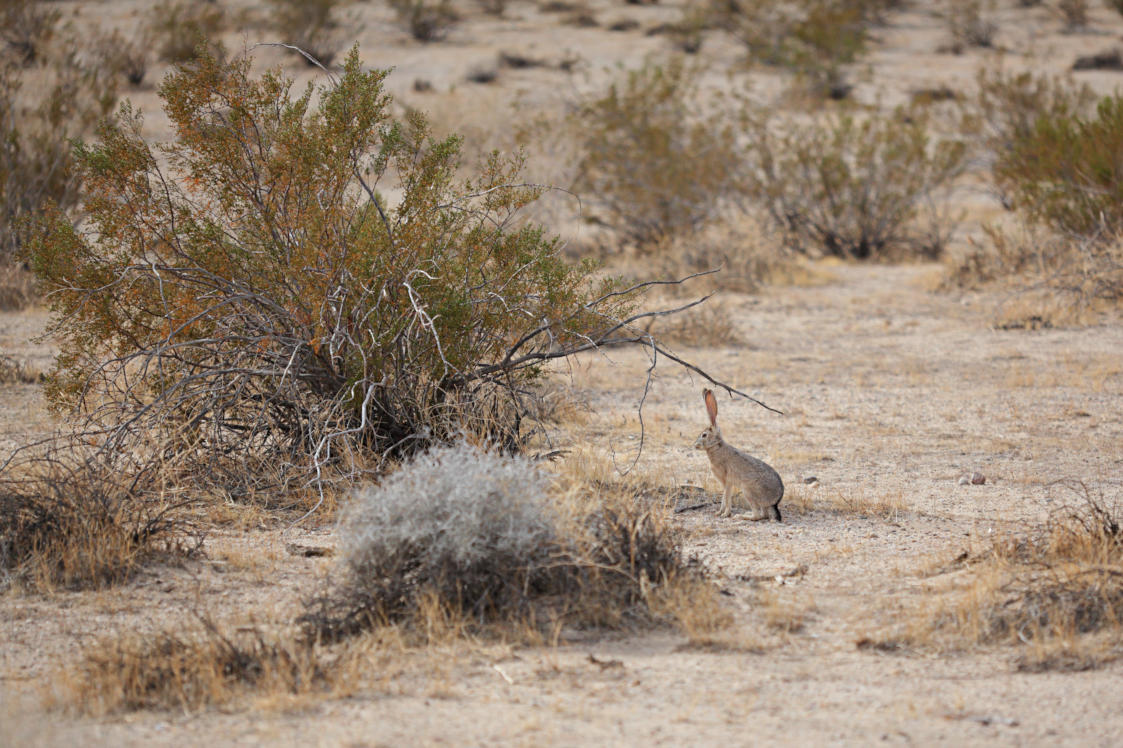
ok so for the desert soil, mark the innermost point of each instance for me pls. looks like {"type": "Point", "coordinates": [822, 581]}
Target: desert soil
{"type": "Point", "coordinates": [889, 391]}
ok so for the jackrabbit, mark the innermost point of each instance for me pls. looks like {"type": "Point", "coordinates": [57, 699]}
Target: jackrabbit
{"type": "Point", "coordinates": [733, 468]}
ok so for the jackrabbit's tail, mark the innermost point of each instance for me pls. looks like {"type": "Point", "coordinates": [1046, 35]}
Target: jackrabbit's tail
{"type": "Point", "coordinates": [774, 512]}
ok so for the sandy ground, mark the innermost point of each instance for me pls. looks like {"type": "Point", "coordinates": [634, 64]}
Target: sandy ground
{"type": "Point", "coordinates": [889, 391]}
{"type": "Point", "coordinates": [871, 372]}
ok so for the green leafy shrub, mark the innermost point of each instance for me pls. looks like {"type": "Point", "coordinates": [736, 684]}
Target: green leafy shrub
{"type": "Point", "coordinates": [654, 164]}
{"type": "Point", "coordinates": [855, 188]}
{"type": "Point", "coordinates": [1065, 170]}
{"type": "Point", "coordinates": [247, 299]}
{"type": "Point", "coordinates": [1007, 105]}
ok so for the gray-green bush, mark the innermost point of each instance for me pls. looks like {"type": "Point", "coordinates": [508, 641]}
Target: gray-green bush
{"type": "Point", "coordinates": [655, 162]}
{"type": "Point", "coordinates": [857, 187]}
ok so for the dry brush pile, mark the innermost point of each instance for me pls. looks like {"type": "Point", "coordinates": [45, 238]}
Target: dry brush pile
{"type": "Point", "coordinates": [1055, 592]}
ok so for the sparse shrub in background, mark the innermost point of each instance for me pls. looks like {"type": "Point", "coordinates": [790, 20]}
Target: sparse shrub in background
{"type": "Point", "coordinates": [183, 27]}
{"type": "Point", "coordinates": [655, 163]}
{"type": "Point", "coordinates": [1051, 158]}
{"type": "Point", "coordinates": [426, 20]}
{"type": "Point", "coordinates": [26, 27]}
{"type": "Point", "coordinates": [1074, 13]}
{"type": "Point", "coordinates": [686, 33]}
{"type": "Point", "coordinates": [308, 24]}
{"type": "Point", "coordinates": [1065, 171]}
{"type": "Point", "coordinates": [1008, 105]}
{"type": "Point", "coordinates": [486, 537]}
{"type": "Point", "coordinates": [267, 307]}
{"type": "Point", "coordinates": [815, 39]}
{"type": "Point", "coordinates": [125, 57]}
{"type": "Point", "coordinates": [970, 24]}
{"type": "Point", "coordinates": [73, 521]}
{"type": "Point", "coordinates": [857, 188]}
{"type": "Point", "coordinates": [37, 121]}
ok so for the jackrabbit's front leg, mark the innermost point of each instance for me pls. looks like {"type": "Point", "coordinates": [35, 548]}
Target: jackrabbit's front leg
{"type": "Point", "coordinates": [726, 501]}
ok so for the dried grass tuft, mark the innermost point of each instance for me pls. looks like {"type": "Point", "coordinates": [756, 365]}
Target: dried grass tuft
{"type": "Point", "coordinates": [1055, 592]}
{"type": "Point", "coordinates": [188, 670]}
{"type": "Point", "coordinates": [78, 522]}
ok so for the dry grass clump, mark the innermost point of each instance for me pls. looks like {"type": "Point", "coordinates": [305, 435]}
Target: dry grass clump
{"type": "Point", "coordinates": [886, 506]}
{"type": "Point", "coordinates": [705, 326]}
{"type": "Point", "coordinates": [73, 522]}
{"type": "Point", "coordinates": [746, 254]}
{"type": "Point", "coordinates": [17, 287]}
{"type": "Point", "coordinates": [1057, 592]}
{"type": "Point", "coordinates": [187, 670]}
{"type": "Point", "coordinates": [487, 540]}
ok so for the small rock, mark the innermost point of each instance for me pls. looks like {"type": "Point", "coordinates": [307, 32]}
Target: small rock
{"type": "Point", "coordinates": [973, 479]}
{"type": "Point", "coordinates": [811, 480]}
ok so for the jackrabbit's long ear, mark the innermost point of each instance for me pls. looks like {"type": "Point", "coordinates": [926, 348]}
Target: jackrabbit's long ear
{"type": "Point", "coordinates": [711, 405]}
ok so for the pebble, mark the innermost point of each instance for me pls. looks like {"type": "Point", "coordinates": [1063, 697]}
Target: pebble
{"type": "Point", "coordinates": [974, 479]}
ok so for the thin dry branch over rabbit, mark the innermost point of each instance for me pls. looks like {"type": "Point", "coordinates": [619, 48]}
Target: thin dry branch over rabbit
{"type": "Point", "coordinates": [736, 470]}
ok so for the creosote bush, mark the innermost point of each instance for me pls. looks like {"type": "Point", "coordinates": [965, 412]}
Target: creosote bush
{"type": "Point", "coordinates": [246, 297]}
{"type": "Point", "coordinates": [655, 163]}
{"type": "Point", "coordinates": [488, 536]}
{"type": "Point", "coordinates": [1005, 111]}
{"type": "Point", "coordinates": [860, 188]}
{"type": "Point", "coordinates": [1065, 172]}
